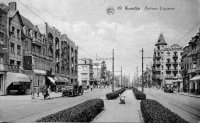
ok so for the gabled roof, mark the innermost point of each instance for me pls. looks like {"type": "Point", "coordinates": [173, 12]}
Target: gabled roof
{"type": "Point", "coordinates": [161, 40]}
{"type": "Point", "coordinates": [12, 15]}
{"type": "Point", "coordinates": [37, 29]}
{"type": "Point", "coordinates": [27, 22]}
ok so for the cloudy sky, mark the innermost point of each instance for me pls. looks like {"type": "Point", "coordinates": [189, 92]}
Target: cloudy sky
{"type": "Point", "coordinates": [87, 23]}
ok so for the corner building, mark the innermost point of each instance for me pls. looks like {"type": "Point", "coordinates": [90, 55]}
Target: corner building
{"type": "Point", "coordinates": [167, 64]}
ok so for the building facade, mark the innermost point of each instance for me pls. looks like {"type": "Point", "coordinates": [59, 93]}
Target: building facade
{"type": "Point", "coordinates": [3, 45]}
{"type": "Point", "coordinates": [191, 65]}
{"type": "Point", "coordinates": [85, 72]}
{"type": "Point", "coordinates": [166, 63]}
{"type": "Point", "coordinates": [33, 55]}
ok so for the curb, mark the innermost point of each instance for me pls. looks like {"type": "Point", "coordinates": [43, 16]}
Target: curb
{"type": "Point", "coordinates": [189, 95]}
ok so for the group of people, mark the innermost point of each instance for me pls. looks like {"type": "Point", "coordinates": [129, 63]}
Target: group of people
{"type": "Point", "coordinates": [47, 92]}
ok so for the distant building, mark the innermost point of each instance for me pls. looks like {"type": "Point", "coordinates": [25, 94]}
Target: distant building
{"type": "Point", "coordinates": [85, 72]}
{"type": "Point", "coordinates": [166, 63]}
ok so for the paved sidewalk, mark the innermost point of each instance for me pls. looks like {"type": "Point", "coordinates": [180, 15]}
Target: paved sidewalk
{"type": "Point", "coordinates": [188, 94]}
{"type": "Point", "coordinates": [41, 97]}
{"type": "Point", "coordinates": [115, 112]}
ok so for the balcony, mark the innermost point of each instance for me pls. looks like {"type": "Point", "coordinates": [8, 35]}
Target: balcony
{"type": "Point", "coordinates": [158, 57]}
{"type": "Point", "coordinates": [175, 64]}
{"type": "Point", "coordinates": [32, 53]}
{"type": "Point", "coordinates": [175, 57]}
{"type": "Point", "coordinates": [158, 63]}
{"type": "Point", "coordinates": [37, 41]}
{"type": "Point", "coordinates": [11, 68]}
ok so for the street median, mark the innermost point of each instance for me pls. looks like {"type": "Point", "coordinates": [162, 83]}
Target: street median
{"type": "Point", "coordinates": [114, 94]}
{"type": "Point", "coordinates": [138, 94]}
{"type": "Point", "coordinates": [84, 112]}
{"type": "Point", "coordinates": [154, 112]}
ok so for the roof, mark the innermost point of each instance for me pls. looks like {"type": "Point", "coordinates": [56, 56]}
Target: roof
{"type": "Point", "coordinates": [161, 40]}
{"type": "Point", "coordinates": [27, 22]}
{"type": "Point", "coordinates": [13, 13]}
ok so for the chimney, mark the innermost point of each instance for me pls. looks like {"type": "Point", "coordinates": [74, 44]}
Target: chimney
{"type": "Point", "coordinates": [12, 6]}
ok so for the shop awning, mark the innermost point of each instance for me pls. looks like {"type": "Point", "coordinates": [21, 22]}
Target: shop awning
{"type": "Point", "coordinates": [66, 79]}
{"type": "Point", "coordinates": [196, 78]}
{"type": "Point", "coordinates": [176, 81]}
{"type": "Point", "coordinates": [51, 79]}
{"type": "Point", "coordinates": [60, 79]}
{"type": "Point", "coordinates": [169, 82]}
{"type": "Point", "coordinates": [16, 77]}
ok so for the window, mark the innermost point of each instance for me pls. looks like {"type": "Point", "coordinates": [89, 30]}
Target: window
{"type": "Point", "coordinates": [12, 49]}
{"type": "Point", "coordinates": [83, 73]}
{"type": "Point", "coordinates": [18, 63]}
{"type": "Point", "coordinates": [18, 33]}
{"type": "Point", "coordinates": [13, 30]}
{"type": "Point", "coordinates": [35, 34]}
{"type": "Point", "coordinates": [1, 36]}
{"type": "Point", "coordinates": [18, 50]}
{"type": "Point", "coordinates": [12, 62]}
{"type": "Point", "coordinates": [26, 46]}
{"type": "Point", "coordinates": [158, 47]}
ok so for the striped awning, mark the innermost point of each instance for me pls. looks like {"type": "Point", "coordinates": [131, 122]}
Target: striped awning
{"type": "Point", "coordinates": [16, 77]}
{"type": "Point", "coordinates": [51, 79]}
{"type": "Point", "coordinates": [60, 79]}
{"type": "Point", "coordinates": [196, 78]}
{"type": "Point", "coordinates": [66, 79]}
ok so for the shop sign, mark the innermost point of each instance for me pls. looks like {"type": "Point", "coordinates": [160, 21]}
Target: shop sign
{"type": "Point", "coordinates": [39, 71]}
{"type": "Point", "coordinates": [15, 83]}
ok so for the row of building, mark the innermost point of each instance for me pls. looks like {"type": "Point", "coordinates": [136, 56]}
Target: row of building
{"type": "Point", "coordinates": [30, 54]}
{"type": "Point", "coordinates": [175, 65]}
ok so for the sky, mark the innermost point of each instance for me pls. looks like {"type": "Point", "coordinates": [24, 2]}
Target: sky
{"type": "Point", "coordinates": [127, 31]}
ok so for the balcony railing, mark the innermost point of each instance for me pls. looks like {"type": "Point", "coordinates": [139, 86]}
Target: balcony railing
{"type": "Point", "coordinates": [29, 53]}
{"type": "Point", "coordinates": [37, 41]}
{"type": "Point", "coordinates": [11, 68]}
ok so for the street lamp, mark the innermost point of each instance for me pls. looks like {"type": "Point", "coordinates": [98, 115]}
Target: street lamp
{"type": "Point", "coordinates": [32, 82]}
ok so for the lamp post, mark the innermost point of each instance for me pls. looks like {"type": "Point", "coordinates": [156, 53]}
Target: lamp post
{"type": "Point", "coordinates": [32, 82]}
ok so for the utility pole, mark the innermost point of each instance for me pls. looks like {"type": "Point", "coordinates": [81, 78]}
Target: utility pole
{"type": "Point", "coordinates": [142, 72]}
{"type": "Point", "coordinates": [121, 77]}
{"type": "Point", "coordinates": [113, 71]}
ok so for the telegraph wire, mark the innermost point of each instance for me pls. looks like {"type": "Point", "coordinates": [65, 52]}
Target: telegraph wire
{"type": "Point", "coordinates": [189, 31]}
{"type": "Point", "coordinates": [31, 11]}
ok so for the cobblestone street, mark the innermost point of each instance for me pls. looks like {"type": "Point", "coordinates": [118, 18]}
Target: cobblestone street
{"type": "Point", "coordinates": [30, 110]}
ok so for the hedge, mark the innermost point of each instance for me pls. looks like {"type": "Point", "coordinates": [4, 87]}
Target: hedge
{"type": "Point", "coordinates": [154, 112]}
{"type": "Point", "coordinates": [115, 94]}
{"type": "Point", "coordinates": [138, 94]}
{"type": "Point", "coordinates": [83, 112]}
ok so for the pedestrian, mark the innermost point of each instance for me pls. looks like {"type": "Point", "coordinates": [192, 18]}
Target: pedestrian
{"type": "Point", "coordinates": [49, 91]}
{"type": "Point", "coordinates": [91, 87]}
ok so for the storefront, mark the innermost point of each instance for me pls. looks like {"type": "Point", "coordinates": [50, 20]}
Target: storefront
{"type": "Point", "coordinates": [60, 83]}
{"type": "Point", "coordinates": [17, 83]}
{"type": "Point", "coordinates": [39, 80]}
{"type": "Point", "coordinates": [2, 83]}
{"type": "Point", "coordinates": [194, 85]}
